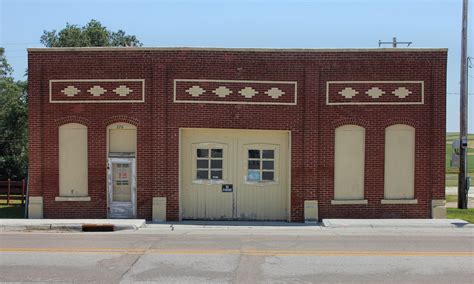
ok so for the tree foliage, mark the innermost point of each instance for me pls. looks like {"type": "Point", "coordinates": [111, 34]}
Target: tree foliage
{"type": "Point", "coordinates": [92, 34]}
{"type": "Point", "coordinates": [13, 124]}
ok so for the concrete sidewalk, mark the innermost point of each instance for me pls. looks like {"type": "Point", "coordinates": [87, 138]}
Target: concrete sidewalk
{"type": "Point", "coordinates": [213, 226]}
{"type": "Point", "coordinates": [395, 223]}
{"type": "Point", "coordinates": [68, 224]}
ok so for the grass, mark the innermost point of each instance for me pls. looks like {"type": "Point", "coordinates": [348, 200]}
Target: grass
{"type": "Point", "coordinates": [8, 211]}
{"type": "Point", "coordinates": [12, 201]}
{"type": "Point", "coordinates": [451, 198]}
{"type": "Point", "coordinates": [463, 214]}
{"type": "Point", "coordinates": [14, 210]}
{"type": "Point", "coordinates": [452, 173]}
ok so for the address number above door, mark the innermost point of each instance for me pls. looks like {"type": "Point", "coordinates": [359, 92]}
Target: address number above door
{"type": "Point", "coordinates": [97, 91]}
{"type": "Point", "coordinates": [235, 92]}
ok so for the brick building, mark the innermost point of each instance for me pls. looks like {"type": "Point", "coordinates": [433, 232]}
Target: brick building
{"type": "Point", "coordinates": [239, 134]}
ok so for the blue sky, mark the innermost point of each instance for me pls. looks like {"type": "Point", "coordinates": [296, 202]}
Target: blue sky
{"type": "Point", "coordinates": [245, 23]}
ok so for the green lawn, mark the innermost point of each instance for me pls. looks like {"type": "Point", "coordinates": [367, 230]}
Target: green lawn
{"type": "Point", "coordinates": [3, 201]}
{"type": "Point", "coordinates": [451, 198]}
{"type": "Point", "coordinates": [452, 173]}
{"type": "Point", "coordinates": [14, 210]}
{"type": "Point", "coordinates": [463, 214]}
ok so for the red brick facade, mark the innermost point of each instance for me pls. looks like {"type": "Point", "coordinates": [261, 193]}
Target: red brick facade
{"type": "Point", "coordinates": [311, 120]}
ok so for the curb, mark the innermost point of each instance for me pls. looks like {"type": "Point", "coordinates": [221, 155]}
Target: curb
{"type": "Point", "coordinates": [62, 227]}
{"type": "Point", "coordinates": [68, 227]}
{"type": "Point", "coordinates": [394, 223]}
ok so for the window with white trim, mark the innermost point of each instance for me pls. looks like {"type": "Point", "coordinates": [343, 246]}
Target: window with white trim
{"type": "Point", "coordinates": [261, 165]}
{"type": "Point", "coordinates": [209, 163]}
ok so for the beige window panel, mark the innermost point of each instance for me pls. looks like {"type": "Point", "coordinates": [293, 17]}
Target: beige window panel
{"type": "Point", "coordinates": [349, 164]}
{"type": "Point", "coordinates": [399, 178]}
{"type": "Point", "coordinates": [122, 138]}
{"type": "Point", "coordinates": [73, 167]}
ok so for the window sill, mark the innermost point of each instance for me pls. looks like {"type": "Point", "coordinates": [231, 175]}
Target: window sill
{"type": "Point", "coordinates": [349, 202]}
{"type": "Point", "coordinates": [72, 198]}
{"type": "Point", "coordinates": [399, 201]}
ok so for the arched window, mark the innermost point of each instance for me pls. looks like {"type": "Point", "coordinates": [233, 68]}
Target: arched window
{"type": "Point", "coordinates": [399, 162]}
{"type": "Point", "coordinates": [73, 168]}
{"type": "Point", "coordinates": [349, 161]}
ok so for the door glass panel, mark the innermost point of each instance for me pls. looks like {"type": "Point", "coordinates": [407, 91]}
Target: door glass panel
{"type": "Point", "coordinates": [267, 176]}
{"type": "Point", "coordinates": [202, 153]}
{"type": "Point", "coordinates": [267, 165]}
{"type": "Point", "coordinates": [216, 153]}
{"type": "Point", "coordinates": [253, 175]}
{"type": "Point", "coordinates": [202, 174]}
{"type": "Point", "coordinates": [254, 164]}
{"type": "Point", "coordinates": [268, 154]}
{"type": "Point", "coordinates": [202, 164]}
{"type": "Point", "coordinates": [122, 187]}
{"type": "Point", "coordinates": [216, 174]}
{"type": "Point", "coordinates": [216, 164]}
{"type": "Point", "coordinates": [254, 154]}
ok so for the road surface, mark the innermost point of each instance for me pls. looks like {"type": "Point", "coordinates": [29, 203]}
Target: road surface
{"type": "Point", "coordinates": [241, 256]}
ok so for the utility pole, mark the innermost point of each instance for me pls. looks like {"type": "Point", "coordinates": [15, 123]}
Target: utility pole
{"type": "Point", "coordinates": [394, 42]}
{"type": "Point", "coordinates": [462, 180]}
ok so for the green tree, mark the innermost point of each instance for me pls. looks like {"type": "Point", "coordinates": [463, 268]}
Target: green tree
{"type": "Point", "coordinates": [92, 34]}
{"type": "Point", "coordinates": [13, 124]}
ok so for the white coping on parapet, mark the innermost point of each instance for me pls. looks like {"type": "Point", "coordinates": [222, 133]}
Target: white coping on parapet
{"type": "Point", "coordinates": [316, 50]}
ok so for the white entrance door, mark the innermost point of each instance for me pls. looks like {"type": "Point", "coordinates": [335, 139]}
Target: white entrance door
{"type": "Point", "coordinates": [234, 174]}
{"type": "Point", "coordinates": [121, 188]}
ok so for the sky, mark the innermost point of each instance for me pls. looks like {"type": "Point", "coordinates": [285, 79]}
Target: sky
{"type": "Point", "coordinates": [257, 24]}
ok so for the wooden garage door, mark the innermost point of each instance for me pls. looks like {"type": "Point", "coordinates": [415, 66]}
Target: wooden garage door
{"type": "Point", "coordinates": [234, 174]}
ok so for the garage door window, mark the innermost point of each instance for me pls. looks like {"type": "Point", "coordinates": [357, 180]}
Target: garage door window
{"type": "Point", "coordinates": [209, 164]}
{"type": "Point", "coordinates": [261, 165]}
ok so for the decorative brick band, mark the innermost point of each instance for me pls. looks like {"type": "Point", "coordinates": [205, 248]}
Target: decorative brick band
{"type": "Point", "coordinates": [73, 119]}
{"type": "Point", "coordinates": [121, 118]}
{"type": "Point", "coordinates": [375, 92]}
{"type": "Point", "coordinates": [97, 91]}
{"type": "Point", "coordinates": [235, 92]}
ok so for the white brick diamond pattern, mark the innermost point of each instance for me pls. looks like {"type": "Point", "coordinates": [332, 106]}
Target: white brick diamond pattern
{"type": "Point", "coordinates": [248, 92]}
{"type": "Point", "coordinates": [97, 91]}
{"type": "Point", "coordinates": [348, 93]}
{"type": "Point", "coordinates": [70, 91]}
{"type": "Point", "coordinates": [195, 91]}
{"type": "Point", "coordinates": [275, 93]}
{"type": "Point", "coordinates": [222, 92]}
{"type": "Point", "coordinates": [402, 92]}
{"type": "Point", "coordinates": [375, 92]}
{"type": "Point", "coordinates": [123, 90]}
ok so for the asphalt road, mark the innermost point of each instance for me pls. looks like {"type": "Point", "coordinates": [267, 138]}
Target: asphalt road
{"type": "Point", "coordinates": [240, 256]}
